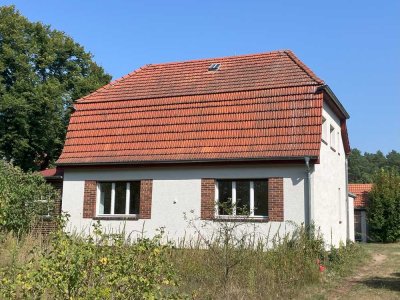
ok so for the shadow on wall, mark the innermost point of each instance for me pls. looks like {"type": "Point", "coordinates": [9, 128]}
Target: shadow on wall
{"type": "Point", "coordinates": [388, 283]}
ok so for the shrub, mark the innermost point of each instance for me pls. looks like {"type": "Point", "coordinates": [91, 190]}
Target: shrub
{"type": "Point", "coordinates": [20, 197]}
{"type": "Point", "coordinates": [384, 207]}
{"type": "Point", "coordinates": [100, 266]}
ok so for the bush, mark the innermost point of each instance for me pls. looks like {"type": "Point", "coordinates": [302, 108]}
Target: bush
{"type": "Point", "coordinates": [101, 266]}
{"type": "Point", "coordinates": [384, 207]}
{"type": "Point", "coordinates": [21, 197]}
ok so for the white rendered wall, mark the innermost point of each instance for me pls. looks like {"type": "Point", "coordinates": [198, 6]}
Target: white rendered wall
{"type": "Point", "coordinates": [329, 195]}
{"type": "Point", "coordinates": [177, 190]}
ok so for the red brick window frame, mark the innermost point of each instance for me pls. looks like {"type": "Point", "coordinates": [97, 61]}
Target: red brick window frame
{"type": "Point", "coordinates": [207, 199]}
{"type": "Point", "coordinates": [275, 201]}
{"type": "Point", "coordinates": [91, 198]}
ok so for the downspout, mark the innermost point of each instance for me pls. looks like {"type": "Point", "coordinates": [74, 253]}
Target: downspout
{"type": "Point", "coordinates": [347, 199]}
{"type": "Point", "coordinates": [308, 220]}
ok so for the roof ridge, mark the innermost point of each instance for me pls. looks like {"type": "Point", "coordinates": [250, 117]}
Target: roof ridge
{"type": "Point", "coordinates": [221, 57]}
{"type": "Point", "coordinates": [306, 69]}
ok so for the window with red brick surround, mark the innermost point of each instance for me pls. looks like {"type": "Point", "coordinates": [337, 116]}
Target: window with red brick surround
{"type": "Point", "coordinates": [275, 199]}
{"type": "Point", "coordinates": [90, 198]}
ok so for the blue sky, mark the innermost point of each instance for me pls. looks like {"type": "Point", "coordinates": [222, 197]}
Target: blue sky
{"type": "Point", "coordinates": [353, 45]}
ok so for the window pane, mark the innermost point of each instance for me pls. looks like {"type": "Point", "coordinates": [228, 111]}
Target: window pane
{"type": "Point", "coordinates": [105, 198]}
{"type": "Point", "coordinates": [135, 197]}
{"type": "Point", "coordinates": [260, 197]}
{"type": "Point", "coordinates": [242, 197]}
{"type": "Point", "coordinates": [225, 197]}
{"type": "Point", "coordinates": [120, 198]}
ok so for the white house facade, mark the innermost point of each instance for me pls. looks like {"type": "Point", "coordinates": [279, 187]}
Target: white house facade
{"type": "Point", "coordinates": [260, 134]}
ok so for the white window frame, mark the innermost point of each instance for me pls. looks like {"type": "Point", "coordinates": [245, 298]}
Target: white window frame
{"type": "Point", "coordinates": [233, 215]}
{"type": "Point", "coordinates": [338, 142]}
{"type": "Point", "coordinates": [332, 137]}
{"type": "Point", "coordinates": [49, 210]}
{"type": "Point", "coordinates": [324, 129]}
{"type": "Point", "coordinates": [340, 205]}
{"type": "Point", "coordinates": [112, 209]}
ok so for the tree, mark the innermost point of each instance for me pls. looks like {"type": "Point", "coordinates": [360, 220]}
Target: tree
{"type": "Point", "coordinates": [42, 71]}
{"type": "Point", "coordinates": [359, 168]}
{"type": "Point", "coordinates": [362, 167]}
{"type": "Point", "coordinates": [384, 207]}
{"type": "Point", "coordinates": [22, 196]}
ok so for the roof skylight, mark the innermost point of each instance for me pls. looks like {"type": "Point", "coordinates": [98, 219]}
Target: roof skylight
{"type": "Point", "coordinates": [214, 67]}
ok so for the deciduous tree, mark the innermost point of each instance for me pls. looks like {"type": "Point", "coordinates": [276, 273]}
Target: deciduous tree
{"type": "Point", "coordinates": [384, 207]}
{"type": "Point", "coordinates": [42, 71]}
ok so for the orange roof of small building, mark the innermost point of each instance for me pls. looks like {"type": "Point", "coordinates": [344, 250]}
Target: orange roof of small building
{"type": "Point", "coordinates": [53, 172]}
{"type": "Point", "coordinates": [261, 106]}
{"type": "Point", "coordinates": [361, 191]}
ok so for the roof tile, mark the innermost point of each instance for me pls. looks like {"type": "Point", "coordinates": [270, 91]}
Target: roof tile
{"type": "Point", "coordinates": [262, 106]}
{"type": "Point", "coordinates": [361, 191]}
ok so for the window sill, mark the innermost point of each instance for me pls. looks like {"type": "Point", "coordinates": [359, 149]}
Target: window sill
{"type": "Point", "coordinates": [325, 142]}
{"type": "Point", "coordinates": [117, 218]}
{"type": "Point", "coordinates": [333, 149]}
{"type": "Point", "coordinates": [241, 219]}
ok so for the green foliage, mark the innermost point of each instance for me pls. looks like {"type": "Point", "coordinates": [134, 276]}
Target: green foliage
{"type": "Point", "coordinates": [21, 196]}
{"type": "Point", "coordinates": [100, 266]}
{"type": "Point", "coordinates": [41, 72]}
{"type": "Point", "coordinates": [106, 266]}
{"type": "Point", "coordinates": [362, 167]}
{"type": "Point", "coordinates": [340, 261]}
{"type": "Point", "coordinates": [384, 207]}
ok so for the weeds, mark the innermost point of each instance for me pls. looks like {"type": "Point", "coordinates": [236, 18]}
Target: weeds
{"type": "Point", "coordinates": [95, 267]}
{"type": "Point", "coordinates": [230, 262]}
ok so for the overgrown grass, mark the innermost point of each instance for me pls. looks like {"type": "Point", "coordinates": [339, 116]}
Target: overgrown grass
{"type": "Point", "coordinates": [100, 266]}
{"type": "Point", "coordinates": [296, 261]}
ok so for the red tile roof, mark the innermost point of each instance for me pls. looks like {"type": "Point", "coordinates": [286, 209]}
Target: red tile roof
{"type": "Point", "coordinates": [361, 192]}
{"type": "Point", "coordinates": [262, 106]}
{"type": "Point", "coordinates": [54, 172]}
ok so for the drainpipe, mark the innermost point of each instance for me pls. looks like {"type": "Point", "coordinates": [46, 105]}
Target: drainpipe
{"type": "Point", "coordinates": [347, 200]}
{"type": "Point", "coordinates": [308, 220]}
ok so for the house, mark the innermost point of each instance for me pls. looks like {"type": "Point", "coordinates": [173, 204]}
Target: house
{"type": "Point", "coordinates": [260, 132]}
{"type": "Point", "coordinates": [360, 193]}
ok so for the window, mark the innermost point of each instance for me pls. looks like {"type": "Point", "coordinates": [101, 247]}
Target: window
{"type": "Point", "coordinates": [118, 198]}
{"type": "Point", "coordinates": [242, 198]}
{"type": "Point", "coordinates": [324, 129]}
{"type": "Point", "coordinates": [340, 205]}
{"type": "Point", "coordinates": [44, 208]}
{"type": "Point", "coordinates": [332, 136]}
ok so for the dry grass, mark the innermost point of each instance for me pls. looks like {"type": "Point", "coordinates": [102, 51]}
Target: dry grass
{"type": "Point", "coordinates": [284, 272]}
{"type": "Point", "coordinates": [377, 278]}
